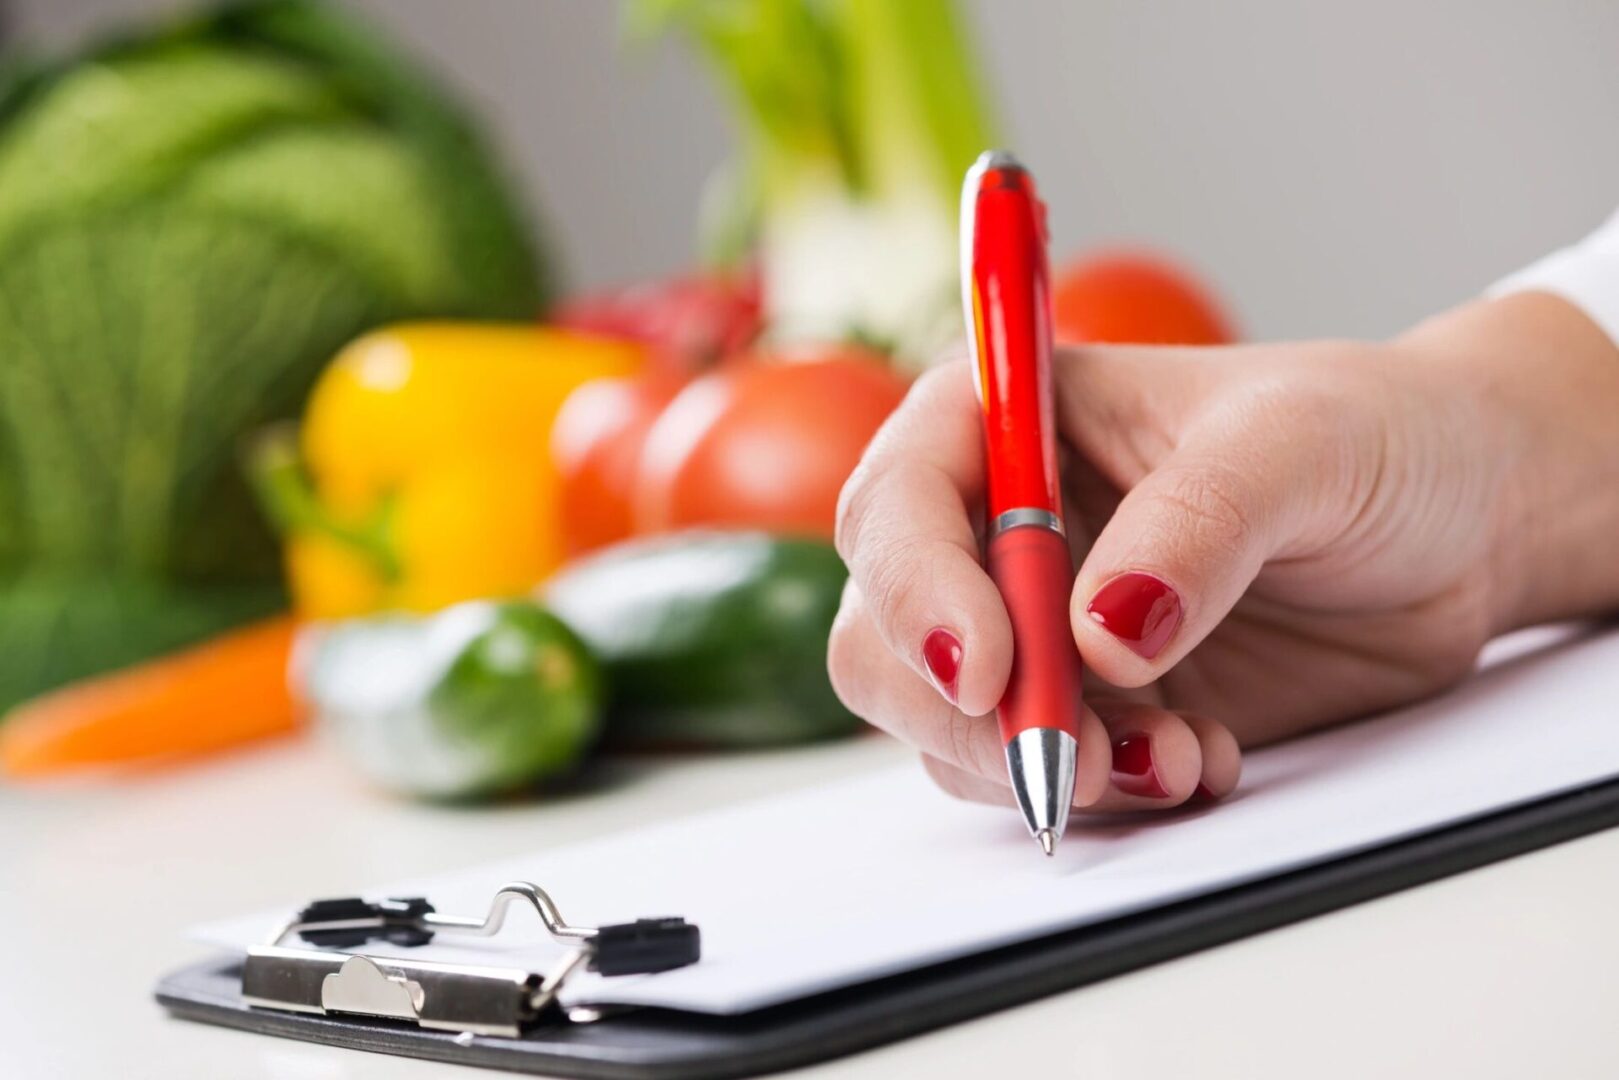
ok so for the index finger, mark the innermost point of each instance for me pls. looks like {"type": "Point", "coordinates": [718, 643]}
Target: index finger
{"type": "Point", "coordinates": [905, 530]}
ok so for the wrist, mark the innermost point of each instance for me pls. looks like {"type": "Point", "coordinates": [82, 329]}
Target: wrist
{"type": "Point", "coordinates": [1544, 380]}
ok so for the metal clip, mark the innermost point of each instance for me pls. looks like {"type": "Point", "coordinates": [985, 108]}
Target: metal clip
{"type": "Point", "coordinates": [482, 1000]}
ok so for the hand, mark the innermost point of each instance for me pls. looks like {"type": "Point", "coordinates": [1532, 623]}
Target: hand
{"type": "Point", "coordinates": [1270, 538]}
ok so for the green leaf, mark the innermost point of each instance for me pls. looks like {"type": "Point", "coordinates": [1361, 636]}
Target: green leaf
{"type": "Point", "coordinates": [782, 63]}
{"type": "Point", "coordinates": [922, 101]}
{"type": "Point", "coordinates": [141, 346]}
{"type": "Point", "coordinates": [876, 91]}
{"type": "Point", "coordinates": [323, 186]}
{"type": "Point", "coordinates": [91, 139]}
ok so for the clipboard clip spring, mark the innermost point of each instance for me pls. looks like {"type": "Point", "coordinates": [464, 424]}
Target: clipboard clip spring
{"type": "Point", "coordinates": [466, 998]}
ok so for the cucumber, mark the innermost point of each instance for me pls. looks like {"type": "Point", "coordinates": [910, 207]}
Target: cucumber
{"type": "Point", "coordinates": [478, 700]}
{"type": "Point", "coordinates": [710, 639]}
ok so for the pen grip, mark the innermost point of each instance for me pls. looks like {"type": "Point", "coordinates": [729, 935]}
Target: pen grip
{"type": "Point", "coordinates": [1033, 569]}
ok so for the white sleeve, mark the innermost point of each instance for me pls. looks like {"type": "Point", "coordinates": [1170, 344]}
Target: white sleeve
{"type": "Point", "coordinates": [1585, 274]}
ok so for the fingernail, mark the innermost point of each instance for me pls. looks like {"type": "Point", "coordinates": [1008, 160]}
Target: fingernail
{"type": "Point", "coordinates": [941, 652]}
{"type": "Point", "coordinates": [1139, 610]}
{"type": "Point", "coordinates": [1203, 794]}
{"type": "Point", "coordinates": [1133, 770]}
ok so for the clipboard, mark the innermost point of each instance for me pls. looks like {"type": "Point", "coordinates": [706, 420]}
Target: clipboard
{"type": "Point", "coordinates": [668, 1044]}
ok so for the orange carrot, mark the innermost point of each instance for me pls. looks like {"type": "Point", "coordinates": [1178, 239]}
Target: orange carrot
{"type": "Point", "coordinates": [225, 691]}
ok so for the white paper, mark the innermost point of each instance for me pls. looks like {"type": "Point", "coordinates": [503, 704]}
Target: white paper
{"type": "Point", "coordinates": [857, 879]}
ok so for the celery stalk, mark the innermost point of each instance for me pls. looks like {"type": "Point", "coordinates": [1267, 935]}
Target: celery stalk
{"type": "Point", "coordinates": [857, 119]}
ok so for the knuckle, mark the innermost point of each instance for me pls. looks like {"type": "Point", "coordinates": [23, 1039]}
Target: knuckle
{"type": "Point", "coordinates": [1209, 502]}
{"type": "Point", "coordinates": [877, 484]}
{"type": "Point", "coordinates": [977, 755]}
{"type": "Point", "coordinates": [1464, 611]}
{"type": "Point", "coordinates": [1289, 410]}
{"type": "Point", "coordinates": [1301, 443]}
{"type": "Point", "coordinates": [863, 492]}
{"type": "Point", "coordinates": [1301, 406]}
{"type": "Point", "coordinates": [854, 507]}
{"type": "Point", "coordinates": [957, 742]}
{"type": "Point", "coordinates": [901, 572]}
{"type": "Point", "coordinates": [843, 667]}
{"type": "Point", "coordinates": [947, 377]}
{"type": "Point", "coordinates": [889, 444]}
{"type": "Point", "coordinates": [945, 778]}
{"type": "Point", "coordinates": [878, 538]}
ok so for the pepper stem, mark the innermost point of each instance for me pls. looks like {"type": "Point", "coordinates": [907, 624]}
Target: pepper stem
{"type": "Point", "coordinates": [275, 469]}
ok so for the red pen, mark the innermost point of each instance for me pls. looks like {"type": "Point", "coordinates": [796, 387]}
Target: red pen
{"type": "Point", "coordinates": [1007, 299]}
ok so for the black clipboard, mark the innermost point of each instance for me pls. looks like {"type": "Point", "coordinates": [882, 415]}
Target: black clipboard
{"type": "Point", "coordinates": [662, 1044]}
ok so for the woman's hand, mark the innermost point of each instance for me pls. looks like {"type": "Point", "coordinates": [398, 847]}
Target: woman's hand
{"type": "Point", "coordinates": [1270, 538]}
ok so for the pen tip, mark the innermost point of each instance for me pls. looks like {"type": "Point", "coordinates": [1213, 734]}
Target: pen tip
{"type": "Point", "coordinates": [1048, 841]}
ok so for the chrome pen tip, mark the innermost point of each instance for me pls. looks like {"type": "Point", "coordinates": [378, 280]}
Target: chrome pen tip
{"type": "Point", "coordinates": [1041, 764]}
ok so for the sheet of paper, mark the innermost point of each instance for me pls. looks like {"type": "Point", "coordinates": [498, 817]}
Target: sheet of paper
{"type": "Point", "coordinates": [854, 880]}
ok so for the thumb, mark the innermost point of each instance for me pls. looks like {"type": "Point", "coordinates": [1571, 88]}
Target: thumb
{"type": "Point", "coordinates": [1187, 541]}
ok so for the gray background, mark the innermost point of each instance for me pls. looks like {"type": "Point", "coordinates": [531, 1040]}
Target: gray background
{"type": "Point", "coordinates": [1338, 169]}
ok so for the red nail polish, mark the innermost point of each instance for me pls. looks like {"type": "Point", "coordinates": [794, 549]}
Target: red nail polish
{"type": "Point", "coordinates": [941, 652]}
{"type": "Point", "coordinates": [1133, 770]}
{"type": "Point", "coordinates": [1139, 610]}
{"type": "Point", "coordinates": [1203, 794]}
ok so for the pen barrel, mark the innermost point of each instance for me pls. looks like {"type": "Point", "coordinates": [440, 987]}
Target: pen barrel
{"type": "Point", "coordinates": [1010, 320]}
{"type": "Point", "coordinates": [1034, 571]}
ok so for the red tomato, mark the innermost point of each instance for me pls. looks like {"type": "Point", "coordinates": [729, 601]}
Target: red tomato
{"type": "Point", "coordinates": [1133, 297]}
{"type": "Point", "coordinates": [690, 322]}
{"type": "Point", "coordinates": [595, 444]}
{"type": "Point", "coordinates": [764, 445]}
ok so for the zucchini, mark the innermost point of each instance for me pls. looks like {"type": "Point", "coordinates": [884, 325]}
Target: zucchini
{"type": "Point", "coordinates": [710, 639]}
{"type": "Point", "coordinates": [477, 700]}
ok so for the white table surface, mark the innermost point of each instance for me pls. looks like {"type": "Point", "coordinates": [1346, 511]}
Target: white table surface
{"type": "Point", "coordinates": [1508, 971]}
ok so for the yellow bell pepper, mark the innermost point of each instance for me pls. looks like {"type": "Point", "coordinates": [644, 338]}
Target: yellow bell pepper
{"type": "Point", "coordinates": [422, 474]}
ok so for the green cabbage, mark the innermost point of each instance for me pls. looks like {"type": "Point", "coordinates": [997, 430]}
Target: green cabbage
{"type": "Point", "coordinates": [191, 222]}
